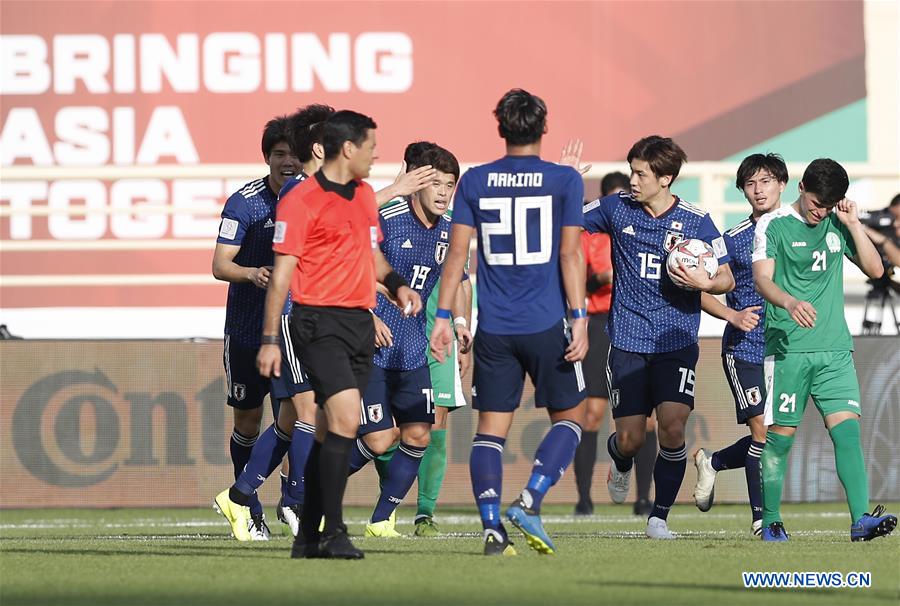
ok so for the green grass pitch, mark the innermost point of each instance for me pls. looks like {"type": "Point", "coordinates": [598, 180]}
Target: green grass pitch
{"type": "Point", "coordinates": [185, 556]}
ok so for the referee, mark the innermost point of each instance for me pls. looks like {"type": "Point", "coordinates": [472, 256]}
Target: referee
{"type": "Point", "coordinates": [326, 248]}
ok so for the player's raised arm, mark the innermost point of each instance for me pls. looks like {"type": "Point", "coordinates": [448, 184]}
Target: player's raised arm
{"type": "Point", "coordinates": [406, 183]}
{"type": "Point", "coordinates": [268, 361]}
{"type": "Point", "coordinates": [867, 257]}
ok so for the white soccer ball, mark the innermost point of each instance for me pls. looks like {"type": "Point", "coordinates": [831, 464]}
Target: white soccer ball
{"type": "Point", "coordinates": [692, 254]}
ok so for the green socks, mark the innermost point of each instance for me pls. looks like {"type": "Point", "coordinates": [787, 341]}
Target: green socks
{"type": "Point", "coordinates": [431, 473]}
{"type": "Point", "coordinates": [773, 463]}
{"type": "Point", "coordinates": [851, 469]}
{"type": "Point", "coordinates": [382, 462]}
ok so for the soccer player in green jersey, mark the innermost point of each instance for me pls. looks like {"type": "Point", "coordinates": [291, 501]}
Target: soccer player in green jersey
{"type": "Point", "coordinates": [798, 269]}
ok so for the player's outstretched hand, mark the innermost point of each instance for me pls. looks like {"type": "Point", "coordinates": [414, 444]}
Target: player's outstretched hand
{"type": "Point", "coordinates": [464, 336]}
{"type": "Point", "coordinates": [260, 276]}
{"type": "Point", "coordinates": [578, 348]}
{"type": "Point", "coordinates": [441, 339]}
{"type": "Point", "coordinates": [802, 312]}
{"type": "Point", "coordinates": [408, 183]}
{"type": "Point", "coordinates": [408, 301]}
{"type": "Point", "coordinates": [847, 212]}
{"type": "Point", "coordinates": [268, 361]}
{"type": "Point", "coordinates": [691, 277]}
{"type": "Point", "coordinates": [571, 156]}
{"type": "Point", "coordinates": [383, 335]}
{"type": "Point", "coordinates": [746, 319]}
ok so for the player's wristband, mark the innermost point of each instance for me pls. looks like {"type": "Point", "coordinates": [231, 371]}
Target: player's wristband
{"type": "Point", "coordinates": [443, 314]}
{"type": "Point", "coordinates": [579, 312]}
{"type": "Point", "coordinates": [271, 340]}
{"type": "Point", "coordinates": [393, 281]}
{"type": "Point", "coordinates": [461, 321]}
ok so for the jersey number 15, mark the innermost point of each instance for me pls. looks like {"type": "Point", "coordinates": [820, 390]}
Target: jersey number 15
{"type": "Point", "coordinates": [504, 227]}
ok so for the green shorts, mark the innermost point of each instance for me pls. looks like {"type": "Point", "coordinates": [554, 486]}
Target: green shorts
{"type": "Point", "coordinates": [828, 376]}
{"type": "Point", "coordinates": [446, 384]}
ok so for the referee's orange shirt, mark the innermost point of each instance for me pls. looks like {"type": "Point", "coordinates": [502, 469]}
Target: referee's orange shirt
{"type": "Point", "coordinates": [333, 239]}
{"type": "Point", "coordinates": [598, 257]}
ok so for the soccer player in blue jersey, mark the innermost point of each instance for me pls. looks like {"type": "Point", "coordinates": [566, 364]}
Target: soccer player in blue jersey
{"type": "Point", "coordinates": [416, 240]}
{"type": "Point", "coordinates": [243, 257]}
{"type": "Point", "coordinates": [762, 179]}
{"type": "Point", "coordinates": [298, 421]}
{"type": "Point", "coordinates": [654, 319]}
{"type": "Point", "coordinates": [527, 216]}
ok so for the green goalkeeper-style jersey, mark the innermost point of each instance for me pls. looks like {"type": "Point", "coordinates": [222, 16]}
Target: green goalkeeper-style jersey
{"type": "Point", "coordinates": [809, 267]}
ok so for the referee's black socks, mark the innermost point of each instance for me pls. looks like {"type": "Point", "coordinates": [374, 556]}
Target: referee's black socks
{"type": "Point", "coordinates": [334, 466]}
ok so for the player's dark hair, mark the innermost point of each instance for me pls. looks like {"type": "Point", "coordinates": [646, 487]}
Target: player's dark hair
{"type": "Point", "coordinates": [827, 180]}
{"type": "Point", "coordinates": [613, 181]}
{"type": "Point", "coordinates": [306, 126]}
{"type": "Point", "coordinates": [521, 117]}
{"type": "Point", "coordinates": [414, 151]}
{"type": "Point", "coordinates": [275, 132]}
{"type": "Point", "coordinates": [440, 159]}
{"type": "Point", "coordinates": [752, 164]}
{"type": "Point", "coordinates": [663, 155]}
{"type": "Point", "coordinates": [342, 126]}
{"type": "Point", "coordinates": [894, 201]}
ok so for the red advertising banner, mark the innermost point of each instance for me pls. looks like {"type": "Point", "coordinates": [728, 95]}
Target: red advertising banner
{"type": "Point", "coordinates": [119, 84]}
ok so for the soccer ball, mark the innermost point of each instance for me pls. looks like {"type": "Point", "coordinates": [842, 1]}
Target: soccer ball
{"type": "Point", "coordinates": [692, 253]}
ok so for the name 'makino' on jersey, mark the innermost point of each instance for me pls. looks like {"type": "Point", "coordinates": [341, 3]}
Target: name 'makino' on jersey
{"type": "Point", "coordinates": [518, 206]}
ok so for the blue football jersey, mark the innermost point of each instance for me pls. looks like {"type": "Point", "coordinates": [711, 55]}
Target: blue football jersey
{"type": "Point", "coordinates": [416, 252]}
{"type": "Point", "coordinates": [248, 221]}
{"type": "Point", "coordinates": [288, 185]}
{"type": "Point", "coordinates": [518, 206]}
{"type": "Point", "coordinates": [648, 313]}
{"type": "Point", "coordinates": [746, 346]}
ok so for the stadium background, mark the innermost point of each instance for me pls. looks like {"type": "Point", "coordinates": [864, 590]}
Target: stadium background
{"type": "Point", "coordinates": [125, 126]}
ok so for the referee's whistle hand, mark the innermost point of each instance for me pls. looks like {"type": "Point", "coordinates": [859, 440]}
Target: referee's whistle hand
{"type": "Point", "coordinates": [268, 361]}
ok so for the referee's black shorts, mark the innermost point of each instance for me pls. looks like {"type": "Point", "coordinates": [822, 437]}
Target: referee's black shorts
{"type": "Point", "coordinates": [336, 345]}
{"type": "Point", "coordinates": [594, 364]}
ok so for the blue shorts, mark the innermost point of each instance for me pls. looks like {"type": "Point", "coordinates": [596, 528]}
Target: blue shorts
{"type": "Point", "coordinates": [246, 387]}
{"type": "Point", "coordinates": [748, 386]}
{"type": "Point", "coordinates": [639, 382]}
{"type": "Point", "coordinates": [293, 379]}
{"type": "Point", "coordinates": [501, 362]}
{"type": "Point", "coordinates": [401, 396]}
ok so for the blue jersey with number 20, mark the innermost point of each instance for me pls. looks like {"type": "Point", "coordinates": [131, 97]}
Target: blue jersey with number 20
{"type": "Point", "coordinates": [518, 206]}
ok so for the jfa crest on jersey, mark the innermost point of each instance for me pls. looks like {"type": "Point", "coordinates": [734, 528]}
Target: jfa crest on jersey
{"type": "Point", "coordinates": [416, 252]}
{"type": "Point", "coordinates": [649, 314]}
